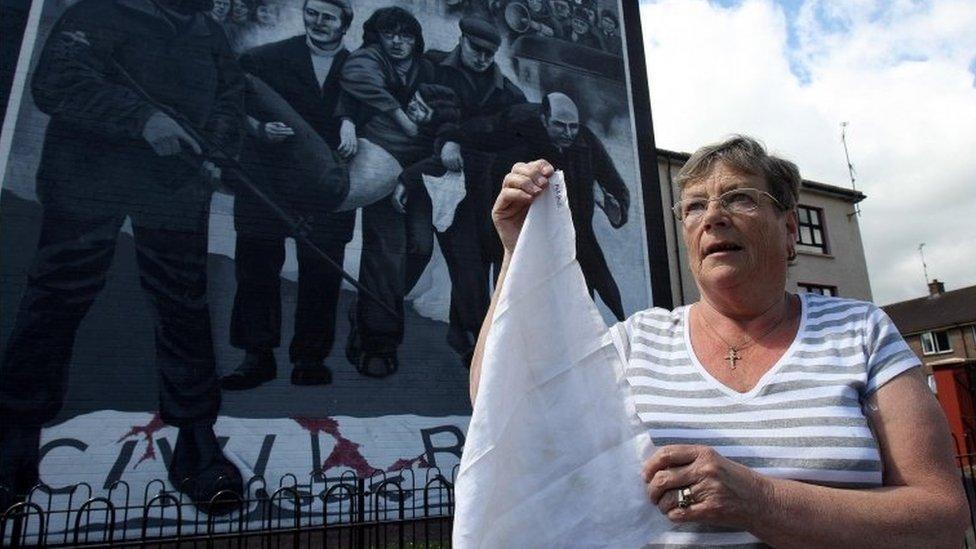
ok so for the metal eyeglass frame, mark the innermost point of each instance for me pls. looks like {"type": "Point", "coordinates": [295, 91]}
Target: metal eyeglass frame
{"type": "Point", "coordinates": [676, 208]}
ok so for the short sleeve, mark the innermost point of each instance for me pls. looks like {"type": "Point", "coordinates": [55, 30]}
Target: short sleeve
{"type": "Point", "coordinates": [887, 353]}
{"type": "Point", "coordinates": [620, 335]}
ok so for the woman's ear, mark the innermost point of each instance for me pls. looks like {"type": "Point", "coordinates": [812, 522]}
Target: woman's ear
{"type": "Point", "coordinates": [793, 228]}
{"type": "Point", "coordinates": [793, 223]}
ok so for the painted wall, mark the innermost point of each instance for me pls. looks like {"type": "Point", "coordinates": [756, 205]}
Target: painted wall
{"type": "Point", "coordinates": [124, 319]}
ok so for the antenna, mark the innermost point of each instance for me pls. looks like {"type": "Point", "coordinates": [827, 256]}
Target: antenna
{"type": "Point", "coordinates": [850, 167]}
{"type": "Point", "coordinates": [925, 268]}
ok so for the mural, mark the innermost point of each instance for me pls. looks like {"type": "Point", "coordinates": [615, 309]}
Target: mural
{"type": "Point", "coordinates": [253, 237]}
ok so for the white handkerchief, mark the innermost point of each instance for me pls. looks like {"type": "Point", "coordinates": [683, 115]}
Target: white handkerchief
{"type": "Point", "coordinates": [553, 456]}
{"type": "Point", "coordinates": [446, 192]}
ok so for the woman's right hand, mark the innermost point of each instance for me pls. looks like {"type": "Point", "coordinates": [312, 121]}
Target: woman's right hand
{"type": "Point", "coordinates": [519, 189]}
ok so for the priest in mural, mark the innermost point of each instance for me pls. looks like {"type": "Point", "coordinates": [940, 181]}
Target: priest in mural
{"type": "Point", "coordinates": [305, 71]}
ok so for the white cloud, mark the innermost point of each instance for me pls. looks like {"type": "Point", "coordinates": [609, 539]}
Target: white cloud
{"type": "Point", "coordinates": [897, 71]}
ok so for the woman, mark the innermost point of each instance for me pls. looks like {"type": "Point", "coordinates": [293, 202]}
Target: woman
{"type": "Point", "coordinates": [780, 419]}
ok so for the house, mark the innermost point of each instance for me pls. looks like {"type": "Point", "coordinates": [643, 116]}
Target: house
{"type": "Point", "coordinates": [941, 329]}
{"type": "Point", "coordinates": [830, 256]}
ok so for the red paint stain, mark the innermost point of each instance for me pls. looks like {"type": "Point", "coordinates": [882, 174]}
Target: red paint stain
{"type": "Point", "coordinates": [401, 463]}
{"type": "Point", "coordinates": [346, 452]}
{"type": "Point", "coordinates": [147, 431]}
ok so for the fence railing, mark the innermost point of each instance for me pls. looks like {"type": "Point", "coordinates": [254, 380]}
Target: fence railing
{"type": "Point", "coordinates": [966, 459]}
{"type": "Point", "coordinates": [406, 508]}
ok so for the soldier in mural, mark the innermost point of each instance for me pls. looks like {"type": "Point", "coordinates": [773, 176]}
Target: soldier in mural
{"type": "Point", "coordinates": [552, 130]}
{"type": "Point", "coordinates": [483, 91]}
{"type": "Point", "coordinates": [110, 153]}
{"type": "Point", "coordinates": [305, 70]}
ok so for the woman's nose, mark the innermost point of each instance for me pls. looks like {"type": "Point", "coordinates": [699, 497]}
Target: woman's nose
{"type": "Point", "coordinates": [715, 213]}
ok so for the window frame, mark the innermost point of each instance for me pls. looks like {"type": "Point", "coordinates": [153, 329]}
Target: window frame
{"type": "Point", "coordinates": [930, 344]}
{"type": "Point", "coordinates": [814, 288]}
{"type": "Point", "coordinates": [820, 226]}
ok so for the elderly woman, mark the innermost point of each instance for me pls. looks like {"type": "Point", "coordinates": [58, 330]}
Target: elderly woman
{"type": "Point", "coordinates": [780, 419]}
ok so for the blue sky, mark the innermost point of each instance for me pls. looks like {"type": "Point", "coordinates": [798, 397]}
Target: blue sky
{"type": "Point", "coordinates": [901, 72]}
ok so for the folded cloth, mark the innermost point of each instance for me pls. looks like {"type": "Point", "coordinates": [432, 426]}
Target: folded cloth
{"type": "Point", "coordinates": [554, 449]}
{"type": "Point", "coordinates": [446, 192]}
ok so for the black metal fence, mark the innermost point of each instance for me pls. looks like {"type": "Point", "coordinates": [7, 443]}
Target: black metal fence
{"type": "Point", "coordinates": [966, 459]}
{"type": "Point", "coordinates": [406, 508]}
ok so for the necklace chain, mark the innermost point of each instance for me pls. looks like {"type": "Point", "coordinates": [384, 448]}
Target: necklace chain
{"type": "Point", "coordinates": [733, 354]}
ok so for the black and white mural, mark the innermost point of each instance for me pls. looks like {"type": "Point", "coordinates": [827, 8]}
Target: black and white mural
{"type": "Point", "coordinates": [252, 237]}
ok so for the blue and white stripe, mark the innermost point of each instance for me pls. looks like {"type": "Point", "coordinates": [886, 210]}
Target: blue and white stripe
{"type": "Point", "coordinates": [803, 420]}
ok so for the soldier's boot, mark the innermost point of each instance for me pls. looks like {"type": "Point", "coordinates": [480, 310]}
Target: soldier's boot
{"type": "Point", "coordinates": [203, 473]}
{"type": "Point", "coordinates": [19, 458]}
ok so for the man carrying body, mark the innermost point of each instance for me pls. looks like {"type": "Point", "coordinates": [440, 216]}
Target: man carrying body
{"type": "Point", "coordinates": [111, 154]}
{"type": "Point", "coordinates": [553, 131]}
{"type": "Point", "coordinates": [305, 70]}
{"type": "Point", "coordinates": [483, 92]}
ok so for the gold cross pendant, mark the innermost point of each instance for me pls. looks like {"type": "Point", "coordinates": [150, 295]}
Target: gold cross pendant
{"type": "Point", "coordinates": [732, 357]}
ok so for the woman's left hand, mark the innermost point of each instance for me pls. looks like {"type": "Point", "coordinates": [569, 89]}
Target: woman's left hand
{"type": "Point", "coordinates": [723, 493]}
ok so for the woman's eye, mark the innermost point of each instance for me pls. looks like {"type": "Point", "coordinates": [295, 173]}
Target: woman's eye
{"type": "Point", "coordinates": [739, 199]}
{"type": "Point", "coordinates": [694, 206]}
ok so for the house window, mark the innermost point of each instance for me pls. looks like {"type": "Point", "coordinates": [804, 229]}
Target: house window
{"type": "Point", "coordinates": [935, 342]}
{"type": "Point", "coordinates": [818, 289]}
{"type": "Point", "coordinates": [812, 233]}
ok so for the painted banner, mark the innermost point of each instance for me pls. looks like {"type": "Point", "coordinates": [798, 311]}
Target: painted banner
{"type": "Point", "coordinates": [253, 237]}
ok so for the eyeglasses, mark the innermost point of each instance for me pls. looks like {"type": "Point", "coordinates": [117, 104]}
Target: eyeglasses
{"type": "Point", "coordinates": [737, 201]}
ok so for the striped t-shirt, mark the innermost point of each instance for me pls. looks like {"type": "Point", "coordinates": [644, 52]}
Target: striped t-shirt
{"type": "Point", "coordinates": [803, 420]}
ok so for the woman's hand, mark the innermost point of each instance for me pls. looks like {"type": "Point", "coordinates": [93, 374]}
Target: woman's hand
{"type": "Point", "coordinates": [519, 189]}
{"type": "Point", "coordinates": [723, 493]}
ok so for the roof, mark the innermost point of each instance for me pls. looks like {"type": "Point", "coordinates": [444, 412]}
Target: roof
{"type": "Point", "coordinates": [953, 308]}
{"type": "Point", "coordinates": [851, 195]}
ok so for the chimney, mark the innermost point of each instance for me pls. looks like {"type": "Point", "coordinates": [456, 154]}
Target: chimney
{"type": "Point", "coordinates": [936, 287]}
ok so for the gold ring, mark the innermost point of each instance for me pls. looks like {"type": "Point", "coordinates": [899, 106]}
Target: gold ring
{"type": "Point", "coordinates": [685, 498]}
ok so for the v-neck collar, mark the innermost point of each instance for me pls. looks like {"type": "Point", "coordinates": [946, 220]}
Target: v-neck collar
{"type": "Point", "coordinates": [766, 378]}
